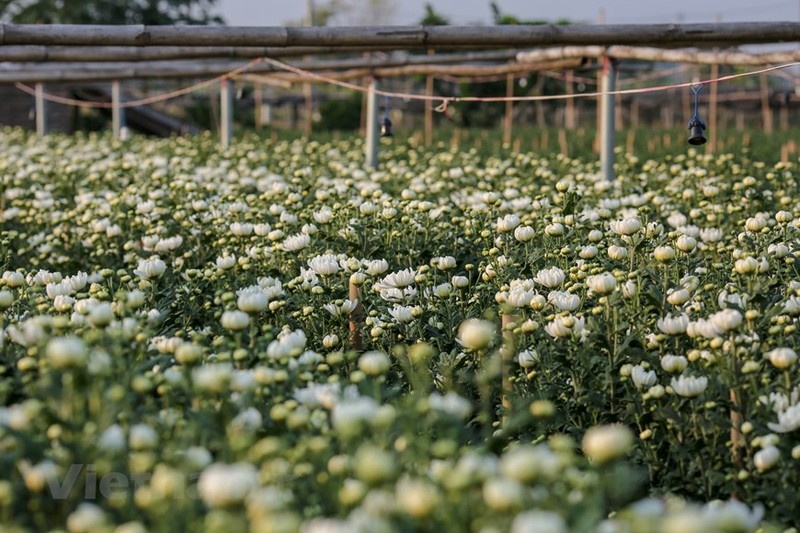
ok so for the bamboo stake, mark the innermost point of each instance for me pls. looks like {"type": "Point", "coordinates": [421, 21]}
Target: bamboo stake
{"type": "Point", "coordinates": [712, 111]}
{"type": "Point", "coordinates": [509, 116]}
{"type": "Point", "coordinates": [508, 352]}
{"type": "Point", "coordinates": [569, 113]}
{"type": "Point", "coordinates": [766, 112]}
{"type": "Point", "coordinates": [355, 316]}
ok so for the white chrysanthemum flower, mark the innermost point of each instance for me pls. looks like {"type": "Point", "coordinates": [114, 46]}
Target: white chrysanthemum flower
{"type": "Point", "coordinates": [603, 443]}
{"type": "Point", "coordinates": [460, 282]}
{"type": "Point", "coordinates": [539, 521]}
{"type": "Point", "coordinates": [451, 403]}
{"type": "Point", "coordinates": [288, 344]}
{"type": "Point", "coordinates": [642, 378]}
{"type": "Point", "coordinates": [673, 325]}
{"type": "Point", "coordinates": [376, 267]}
{"type": "Point", "coordinates": [234, 320]}
{"type": "Point", "coordinates": [550, 277]}
{"type": "Point", "coordinates": [674, 364]}
{"type": "Point", "coordinates": [150, 268]}
{"type": "Point", "coordinates": [726, 320]}
{"type": "Point", "coordinates": [86, 518]}
{"type": "Point", "coordinates": [251, 299]}
{"type": "Point", "coordinates": [688, 386]}
{"type": "Point", "coordinates": [241, 229]}
{"type": "Point", "coordinates": [142, 437]}
{"type": "Point", "coordinates": [678, 297]}
{"type": "Point", "coordinates": [626, 226]}
{"type": "Point", "coordinates": [324, 265]}
{"type": "Point", "coordinates": [296, 242]}
{"type": "Point", "coordinates": [507, 223]}
{"type": "Point", "coordinates": [617, 253]}
{"type": "Point", "coordinates": [323, 216]}
{"type": "Point", "coordinates": [527, 359]}
{"type": "Point", "coordinates": [402, 313]}
{"type": "Point", "coordinates": [524, 233]}
{"type": "Point", "coordinates": [224, 485]}
{"type": "Point", "coordinates": [225, 262]}
{"type": "Point", "coordinates": [66, 352]}
{"type": "Point", "coordinates": [766, 458]}
{"type": "Point", "coordinates": [13, 279]}
{"type": "Point", "coordinates": [602, 283]}
{"type": "Point", "coordinates": [565, 326]}
{"type": "Point", "coordinates": [341, 309]}
{"type": "Point", "coordinates": [398, 280]}
{"type": "Point", "coordinates": [782, 358]}
{"type": "Point", "coordinates": [444, 263]}
{"type": "Point", "coordinates": [563, 301]}
{"type": "Point", "coordinates": [476, 334]}
{"type": "Point", "coordinates": [212, 377]}
{"type": "Point", "coordinates": [788, 420]}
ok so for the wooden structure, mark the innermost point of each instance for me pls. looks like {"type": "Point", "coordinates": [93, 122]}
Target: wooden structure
{"type": "Point", "coordinates": [57, 53]}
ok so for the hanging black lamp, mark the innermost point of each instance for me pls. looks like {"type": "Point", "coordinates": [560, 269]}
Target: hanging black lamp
{"type": "Point", "coordinates": [696, 125]}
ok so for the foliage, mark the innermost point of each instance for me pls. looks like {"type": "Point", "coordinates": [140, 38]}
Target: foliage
{"type": "Point", "coordinates": [344, 114]}
{"type": "Point", "coordinates": [155, 12]}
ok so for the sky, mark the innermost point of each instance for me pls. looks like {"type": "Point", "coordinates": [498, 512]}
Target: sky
{"type": "Point", "coordinates": [281, 12]}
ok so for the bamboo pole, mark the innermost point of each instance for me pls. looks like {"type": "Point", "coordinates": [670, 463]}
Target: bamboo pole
{"type": "Point", "coordinates": [371, 146]}
{"type": "Point", "coordinates": [258, 96]}
{"type": "Point", "coordinates": [508, 352]}
{"type": "Point", "coordinates": [569, 112]}
{"type": "Point", "coordinates": [225, 112]}
{"type": "Point", "coordinates": [355, 316]}
{"type": "Point", "coordinates": [607, 130]}
{"type": "Point", "coordinates": [141, 71]}
{"type": "Point", "coordinates": [766, 112]}
{"type": "Point", "coordinates": [41, 110]}
{"type": "Point", "coordinates": [117, 111]}
{"type": "Point", "coordinates": [429, 107]}
{"type": "Point", "coordinates": [46, 53]}
{"type": "Point", "coordinates": [645, 53]}
{"type": "Point", "coordinates": [428, 110]}
{"type": "Point", "coordinates": [400, 36]}
{"type": "Point", "coordinates": [712, 111]}
{"type": "Point", "coordinates": [508, 122]}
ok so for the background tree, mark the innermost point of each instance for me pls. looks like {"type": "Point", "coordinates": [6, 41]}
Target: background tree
{"type": "Point", "coordinates": [433, 18]}
{"type": "Point", "coordinates": [109, 12]}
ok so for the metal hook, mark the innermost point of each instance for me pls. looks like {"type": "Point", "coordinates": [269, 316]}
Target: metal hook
{"type": "Point", "coordinates": [696, 90]}
{"type": "Point", "coordinates": [441, 108]}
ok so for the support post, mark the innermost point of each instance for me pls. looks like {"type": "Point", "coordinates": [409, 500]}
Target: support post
{"type": "Point", "coordinates": [509, 118]}
{"type": "Point", "coordinates": [569, 111]}
{"type": "Point", "coordinates": [508, 352]}
{"type": "Point", "coordinates": [259, 105]}
{"type": "Point", "coordinates": [371, 149]}
{"type": "Point", "coordinates": [41, 117]}
{"type": "Point", "coordinates": [607, 128]}
{"type": "Point", "coordinates": [225, 112]}
{"type": "Point", "coordinates": [117, 112]}
{"type": "Point", "coordinates": [428, 111]}
{"type": "Point", "coordinates": [712, 111]}
{"type": "Point", "coordinates": [766, 112]}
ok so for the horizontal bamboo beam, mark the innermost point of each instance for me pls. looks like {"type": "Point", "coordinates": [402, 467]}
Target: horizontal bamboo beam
{"type": "Point", "coordinates": [46, 53]}
{"type": "Point", "coordinates": [87, 71]}
{"type": "Point", "coordinates": [719, 34]}
{"type": "Point", "coordinates": [724, 57]}
{"type": "Point", "coordinates": [140, 71]}
{"type": "Point", "coordinates": [416, 70]}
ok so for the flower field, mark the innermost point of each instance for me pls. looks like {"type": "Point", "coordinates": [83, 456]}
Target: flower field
{"type": "Point", "coordinates": [273, 338]}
